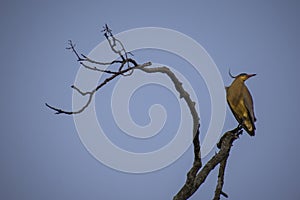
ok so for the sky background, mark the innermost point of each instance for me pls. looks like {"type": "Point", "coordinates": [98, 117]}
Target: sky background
{"type": "Point", "coordinates": [41, 155]}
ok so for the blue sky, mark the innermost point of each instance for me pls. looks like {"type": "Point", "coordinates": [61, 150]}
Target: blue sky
{"type": "Point", "coordinates": [41, 154]}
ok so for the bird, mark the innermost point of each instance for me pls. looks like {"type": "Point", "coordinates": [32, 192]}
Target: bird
{"type": "Point", "coordinates": [240, 102]}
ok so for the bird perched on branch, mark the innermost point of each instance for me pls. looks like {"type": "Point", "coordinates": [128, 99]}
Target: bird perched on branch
{"type": "Point", "coordinates": [241, 103]}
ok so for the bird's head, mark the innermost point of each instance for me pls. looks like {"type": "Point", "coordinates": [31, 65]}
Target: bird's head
{"type": "Point", "coordinates": [242, 76]}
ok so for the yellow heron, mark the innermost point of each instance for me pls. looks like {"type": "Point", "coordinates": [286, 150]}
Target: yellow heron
{"type": "Point", "coordinates": [241, 103]}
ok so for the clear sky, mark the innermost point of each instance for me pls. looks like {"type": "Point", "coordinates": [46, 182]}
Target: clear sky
{"type": "Point", "coordinates": [41, 155]}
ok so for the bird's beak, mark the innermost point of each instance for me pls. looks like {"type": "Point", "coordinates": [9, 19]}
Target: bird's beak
{"type": "Point", "coordinates": [250, 75]}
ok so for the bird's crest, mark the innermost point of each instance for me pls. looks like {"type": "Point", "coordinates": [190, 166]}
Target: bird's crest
{"type": "Point", "coordinates": [231, 74]}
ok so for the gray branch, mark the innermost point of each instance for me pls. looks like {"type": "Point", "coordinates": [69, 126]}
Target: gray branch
{"type": "Point", "coordinates": [91, 93]}
{"type": "Point", "coordinates": [225, 146]}
{"type": "Point", "coordinates": [219, 187]}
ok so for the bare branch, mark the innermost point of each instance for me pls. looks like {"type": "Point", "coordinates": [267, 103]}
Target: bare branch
{"type": "Point", "coordinates": [101, 63]}
{"type": "Point", "coordinates": [58, 111]}
{"type": "Point", "coordinates": [182, 94]}
{"type": "Point", "coordinates": [220, 183]}
{"type": "Point", "coordinates": [125, 60]}
{"type": "Point", "coordinates": [219, 187]}
{"type": "Point", "coordinates": [72, 48]}
{"type": "Point", "coordinates": [191, 104]}
{"type": "Point", "coordinates": [79, 91]}
{"type": "Point", "coordinates": [191, 175]}
{"type": "Point", "coordinates": [120, 73]}
{"type": "Point", "coordinates": [97, 69]}
{"type": "Point", "coordinates": [113, 41]}
{"type": "Point", "coordinates": [91, 93]}
{"type": "Point", "coordinates": [226, 142]}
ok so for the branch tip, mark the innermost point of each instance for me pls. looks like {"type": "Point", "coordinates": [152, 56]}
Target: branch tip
{"type": "Point", "coordinates": [224, 194]}
{"type": "Point", "coordinates": [58, 111]}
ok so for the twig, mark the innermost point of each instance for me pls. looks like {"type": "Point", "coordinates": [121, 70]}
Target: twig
{"type": "Point", "coordinates": [91, 93]}
{"type": "Point", "coordinates": [72, 48]}
{"type": "Point", "coordinates": [100, 63]}
{"type": "Point", "coordinates": [97, 69]}
{"type": "Point", "coordinates": [113, 43]}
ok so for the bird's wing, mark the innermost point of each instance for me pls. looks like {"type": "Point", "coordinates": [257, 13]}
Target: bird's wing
{"type": "Point", "coordinates": [249, 105]}
{"type": "Point", "coordinates": [233, 101]}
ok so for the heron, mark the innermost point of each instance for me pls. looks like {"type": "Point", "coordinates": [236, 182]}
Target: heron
{"type": "Point", "coordinates": [241, 103]}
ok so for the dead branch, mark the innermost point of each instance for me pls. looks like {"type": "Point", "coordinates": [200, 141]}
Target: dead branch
{"type": "Point", "coordinates": [195, 178]}
{"type": "Point", "coordinates": [86, 61]}
{"type": "Point", "coordinates": [191, 105]}
{"type": "Point", "coordinates": [196, 125]}
{"type": "Point", "coordinates": [91, 93]}
{"type": "Point", "coordinates": [225, 146]}
{"type": "Point", "coordinates": [219, 187]}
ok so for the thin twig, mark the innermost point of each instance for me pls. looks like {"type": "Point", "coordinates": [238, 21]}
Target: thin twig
{"type": "Point", "coordinates": [97, 69]}
{"type": "Point", "coordinates": [87, 59]}
{"type": "Point", "coordinates": [72, 48]}
{"type": "Point", "coordinates": [92, 92]}
{"type": "Point", "coordinates": [79, 91]}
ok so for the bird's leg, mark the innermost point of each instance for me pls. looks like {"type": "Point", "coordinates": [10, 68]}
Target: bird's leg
{"type": "Point", "coordinates": [239, 129]}
{"type": "Point", "coordinates": [240, 126]}
{"type": "Point", "coordinates": [240, 132]}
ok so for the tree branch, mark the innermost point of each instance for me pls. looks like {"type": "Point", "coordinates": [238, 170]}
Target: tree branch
{"type": "Point", "coordinates": [182, 94]}
{"type": "Point", "coordinates": [196, 125]}
{"type": "Point", "coordinates": [225, 146]}
{"type": "Point", "coordinates": [72, 48]}
{"type": "Point", "coordinates": [97, 69]}
{"type": "Point", "coordinates": [91, 93]}
{"type": "Point", "coordinates": [219, 187]}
